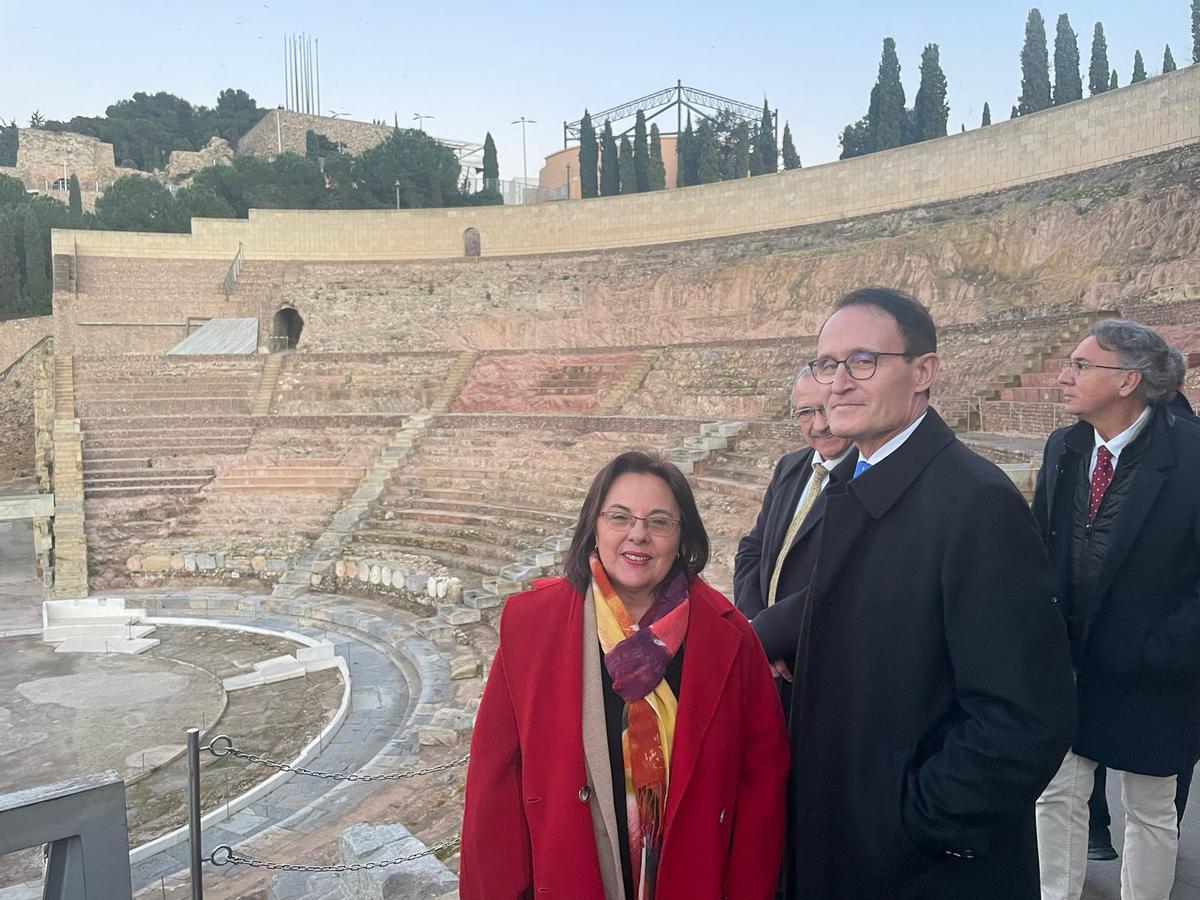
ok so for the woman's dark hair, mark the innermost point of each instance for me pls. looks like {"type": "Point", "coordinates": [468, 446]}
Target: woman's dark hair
{"type": "Point", "coordinates": [693, 539]}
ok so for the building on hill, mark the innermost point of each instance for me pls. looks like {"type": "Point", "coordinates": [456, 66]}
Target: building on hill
{"type": "Point", "coordinates": [47, 159]}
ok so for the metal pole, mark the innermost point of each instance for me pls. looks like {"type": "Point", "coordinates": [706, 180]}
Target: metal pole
{"type": "Point", "coordinates": [194, 851]}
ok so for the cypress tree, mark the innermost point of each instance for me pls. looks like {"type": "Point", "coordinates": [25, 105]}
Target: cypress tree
{"type": "Point", "coordinates": [627, 168]}
{"type": "Point", "coordinates": [641, 154]}
{"type": "Point", "coordinates": [610, 173]}
{"type": "Point", "coordinates": [74, 198]}
{"type": "Point", "coordinates": [766, 152]}
{"type": "Point", "coordinates": [791, 159]}
{"type": "Point", "coordinates": [37, 275]}
{"type": "Point", "coordinates": [1112, 82]}
{"type": "Point", "coordinates": [1196, 31]}
{"type": "Point", "coordinates": [491, 165]}
{"type": "Point", "coordinates": [658, 169]}
{"type": "Point", "coordinates": [685, 155]}
{"type": "Point", "coordinates": [1168, 61]}
{"type": "Point", "coordinates": [1098, 70]}
{"type": "Point", "coordinates": [885, 116]}
{"type": "Point", "coordinates": [1067, 84]}
{"type": "Point", "coordinates": [588, 186]}
{"type": "Point", "coordinates": [10, 270]}
{"type": "Point", "coordinates": [1139, 68]}
{"type": "Point", "coordinates": [987, 115]}
{"type": "Point", "coordinates": [1035, 67]}
{"type": "Point", "coordinates": [930, 108]}
{"type": "Point", "coordinates": [708, 154]}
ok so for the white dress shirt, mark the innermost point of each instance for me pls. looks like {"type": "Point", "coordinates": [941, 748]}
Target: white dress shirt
{"type": "Point", "coordinates": [1120, 442]}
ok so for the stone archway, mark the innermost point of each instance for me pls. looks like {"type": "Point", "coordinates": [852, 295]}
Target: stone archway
{"type": "Point", "coordinates": [286, 326]}
{"type": "Point", "coordinates": [472, 245]}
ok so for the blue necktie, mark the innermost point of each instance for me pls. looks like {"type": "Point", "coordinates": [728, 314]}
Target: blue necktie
{"type": "Point", "coordinates": [861, 466]}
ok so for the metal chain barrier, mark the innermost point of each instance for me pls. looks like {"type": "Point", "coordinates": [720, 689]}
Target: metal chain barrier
{"type": "Point", "coordinates": [226, 748]}
{"type": "Point", "coordinates": [224, 856]}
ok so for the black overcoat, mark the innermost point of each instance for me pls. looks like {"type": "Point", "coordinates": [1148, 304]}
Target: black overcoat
{"type": "Point", "coordinates": [933, 696]}
{"type": "Point", "coordinates": [1139, 646]}
{"type": "Point", "coordinates": [759, 549]}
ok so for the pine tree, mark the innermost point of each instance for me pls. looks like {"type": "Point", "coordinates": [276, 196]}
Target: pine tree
{"type": "Point", "coordinates": [1139, 68]}
{"type": "Point", "coordinates": [885, 116]}
{"type": "Point", "coordinates": [708, 154]}
{"type": "Point", "coordinates": [1098, 70]}
{"type": "Point", "coordinates": [37, 275]}
{"type": "Point", "coordinates": [491, 165]}
{"type": "Point", "coordinates": [1168, 61]}
{"type": "Point", "coordinates": [587, 157]}
{"type": "Point", "coordinates": [10, 270]}
{"type": "Point", "coordinates": [987, 115]}
{"type": "Point", "coordinates": [791, 159]}
{"type": "Point", "coordinates": [1196, 31]}
{"type": "Point", "coordinates": [74, 198]}
{"type": "Point", "coordinates": [627, 167]}
{"type": "Point", "coordinates": [658, 169]}
{"type": "Point", "coordinates": [1035, 67]}
{"type": "Point", "coordinates": [1067, 84]}
{"type": "Point", "coordinates": [930, 108]}
{"type": "Point", "coordinates": [610, 172]}
{"type": "Point", "coordinates": [685, 156]}
{"type": "Point", "coordinates": [1112, 82]}
{"type": "Point", "coordinates": [766, 151]}
{"type": "Point", "coordinates": [641, 154]}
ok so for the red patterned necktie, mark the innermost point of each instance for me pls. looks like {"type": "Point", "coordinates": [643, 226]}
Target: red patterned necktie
{"type": "Point", "coordinates": [1102, 477]}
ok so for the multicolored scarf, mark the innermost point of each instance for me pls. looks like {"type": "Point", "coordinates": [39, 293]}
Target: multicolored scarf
{"type": "Point", "coordinates": [636, 657]}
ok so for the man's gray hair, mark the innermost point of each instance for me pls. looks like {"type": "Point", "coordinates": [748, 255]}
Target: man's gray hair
{"type": "Point", "coordinates": [1142, 348]}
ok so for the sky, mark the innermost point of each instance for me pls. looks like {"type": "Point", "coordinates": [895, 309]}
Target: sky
{"type": "Point", "coordinates": [477, 68]}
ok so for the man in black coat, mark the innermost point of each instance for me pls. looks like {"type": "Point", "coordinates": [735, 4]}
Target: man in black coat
{"type": "Point", "coordinates": [932, 697]}
{"type": "Point", "coordinates": [1118, 503]}
{"type": "Point", "coordinates": [776, 558]}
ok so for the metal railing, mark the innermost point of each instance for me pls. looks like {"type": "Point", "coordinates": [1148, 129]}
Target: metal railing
{"type": "Point", "coordinates": [235, 269]}
{"type": "Point", "coordinates": [224, 855]}
{"type": "Point", "coordinates": [83, 826]}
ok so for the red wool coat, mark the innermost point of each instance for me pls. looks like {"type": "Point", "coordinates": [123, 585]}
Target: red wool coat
{"type": "Point", "coordinates": [527, 826]}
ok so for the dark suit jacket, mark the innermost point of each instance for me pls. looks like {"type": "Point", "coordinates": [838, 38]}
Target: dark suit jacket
{"type": "Point", "coordinates": [933, 696]}
{"type": "Point", "coordinates": [758, 550]}
{"type": "Point", "coordinates": [1139, 659]}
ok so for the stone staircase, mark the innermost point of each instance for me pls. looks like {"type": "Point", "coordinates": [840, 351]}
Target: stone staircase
{"type": "Point", "coordinates": [612, 402]}
{"type": "Point", "coordinates": [70, 541]}
{"type": "Point", "coordinates": [266, 385]}
{"type": "Point", "coordinates": [455, 379]}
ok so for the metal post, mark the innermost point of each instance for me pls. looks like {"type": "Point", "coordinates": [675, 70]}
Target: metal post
{"type": "Point", "coordinates": [194, 851]}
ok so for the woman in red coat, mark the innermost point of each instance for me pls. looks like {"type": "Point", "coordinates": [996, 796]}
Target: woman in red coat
{"type": "Point", "coordinates": [630, 744]}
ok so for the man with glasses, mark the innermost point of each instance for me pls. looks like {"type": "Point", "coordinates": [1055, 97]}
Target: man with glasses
{"type": "Point", "coordinates": [932, 697]}
{"type": "Point", "coordinates": [1118, 503]}
{"type": "Point", "coordinates": [774, 561]}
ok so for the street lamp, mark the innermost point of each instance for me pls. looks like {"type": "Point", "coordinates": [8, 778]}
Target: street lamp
{"type": "Point", "coordinates": [397, 193]}
{"type": "Point", "coordinates": [421, 120]}
{"type": "Point", "coordinates": [524, 161]}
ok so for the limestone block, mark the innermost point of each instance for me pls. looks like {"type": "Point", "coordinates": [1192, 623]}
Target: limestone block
{"type": "Point", "coordinates": [458, 719]}
{"type": "Point", "coordinates": [422, 879]}
{"type": "Point", "coordinates": [437, 736]}
{"type": "Point", "coordinates": [458, 615]}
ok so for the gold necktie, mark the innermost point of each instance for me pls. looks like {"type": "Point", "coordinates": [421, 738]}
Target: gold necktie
{"type": "Point", "coordinates": [812, 491]}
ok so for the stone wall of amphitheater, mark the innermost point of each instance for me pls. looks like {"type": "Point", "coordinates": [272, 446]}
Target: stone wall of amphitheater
{"type": "Point", "coordinates": [1144, 118]}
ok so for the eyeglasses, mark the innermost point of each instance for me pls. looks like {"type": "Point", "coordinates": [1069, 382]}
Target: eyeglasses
{"type": "Point", "coordinates": [1078, 365]}
{"type": "Point", "coordinates": [860, 366]}
{"type": "Point", "coordinates": [658, 526]}
{"type": "Point", "coordinates": [805, 413]}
